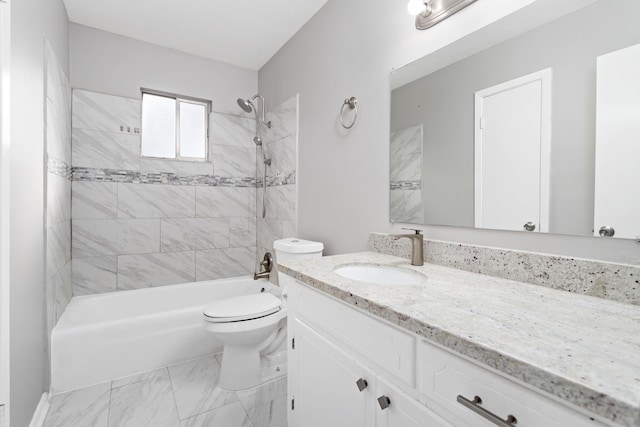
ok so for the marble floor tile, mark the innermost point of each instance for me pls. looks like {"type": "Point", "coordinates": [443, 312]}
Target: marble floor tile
{"type": "Point", "coordinates": [144, 403]}
{"type": "Point", "coordinates": [194, 386]}
{"type": "Point", "coordinates": [232, 415]}
{"type": "Point", "coordinates": [80, 408]}
{"type": "Point", "coordinates": [266, 405]}
{"type": "Point", "coordinates": [137, 378]}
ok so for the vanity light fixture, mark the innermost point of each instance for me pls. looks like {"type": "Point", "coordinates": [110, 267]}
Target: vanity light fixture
{"type": "Point", "coordinates": [429, 12]}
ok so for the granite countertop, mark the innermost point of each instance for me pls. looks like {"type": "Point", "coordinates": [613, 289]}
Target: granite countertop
{"type": "Point", "coordinates": [582, 349]}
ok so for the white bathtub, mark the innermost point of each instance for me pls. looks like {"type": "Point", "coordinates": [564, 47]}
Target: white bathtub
{"type": "Point", "coordinates": [108, 336]}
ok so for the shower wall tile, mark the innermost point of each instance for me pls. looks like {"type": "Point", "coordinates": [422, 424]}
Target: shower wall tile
{"type": "Point", "coordinates": [94, 237]}
{"type": "Point", "coordinates": [157, 269]}
{"type": "Point", "coordinates": [108, 113]}
{"type": "Point", "coordinates": [58, 199]}
{"type": "Point", "coordinates": [221, 263]}
{"type": "Point", "coordinates": [108, 150]}
{"type": "Point", "coordinates": [184, 234]}
{"type": "Point", "coordinates": [269, 229]}
{"type": "Point", "coordinates": [406, 141]}
{"type": "Point", "coordinates": [289, 229]}
{"type": "Point", "coordinates": [282, 154]}
{"type": "Point", "coordinates": [284, 119]}
{"type": "Point", "coordinates": [212, 202]}
{"type": "Point", "coordinates": [63, 290]}
{"type": "Point", "coordinates": [232, 130]}
{"type": "Point", "coordinates": [406, 168]}
{"type": "Point", "coordinates": [156, 201]}
{"type": "Point", "coordinates": [233, 161]}
{"type": "Point", "coordinates": [177, 166]}
{"type": "Point", "coordinates": [94, 275]}
{"type": "Point", "coordinates": [58, 246]}
{"type": "Point", "coordinates": [92, 200]}
{"type": "Point", "coordinates": [58, 132]}
{"type": "Point", "coordinates": [406, 206]}
{"type": "Point", "coordinates": [242, 232]}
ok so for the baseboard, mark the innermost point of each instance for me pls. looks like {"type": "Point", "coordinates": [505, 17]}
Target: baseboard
{"type": "Point", "coordinates": [41, 411]}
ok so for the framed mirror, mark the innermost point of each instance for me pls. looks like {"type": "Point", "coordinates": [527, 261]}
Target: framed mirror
{"type": "Point", "coordinates": [539, 133]}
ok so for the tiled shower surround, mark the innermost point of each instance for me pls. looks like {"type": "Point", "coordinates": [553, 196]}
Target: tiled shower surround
{"type": "Point", "coordinates": [405, 176]}
{"type": "Point", "coordinates": [58, 183]}
{"type": "Point", "coordinates": [140, 222]}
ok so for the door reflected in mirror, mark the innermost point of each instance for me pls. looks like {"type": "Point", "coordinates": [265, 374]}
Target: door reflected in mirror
{"type": "Point", "coordinates": [506, 138]}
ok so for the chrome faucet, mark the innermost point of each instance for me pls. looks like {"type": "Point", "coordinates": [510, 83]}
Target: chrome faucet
{"type": "Point", "coordinates": [417, 244]}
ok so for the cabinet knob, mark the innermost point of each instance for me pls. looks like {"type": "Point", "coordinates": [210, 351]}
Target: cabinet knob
{"type": "Point", "coordinates": [529, 226]}
{"type": "Point", "coordinates": [384, 402]}
{"type": "Point", "coordinates": [362, 384]}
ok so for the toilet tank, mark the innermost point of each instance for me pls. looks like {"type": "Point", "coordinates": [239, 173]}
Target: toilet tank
{"type": "Point", "coordinates": [293, 248]}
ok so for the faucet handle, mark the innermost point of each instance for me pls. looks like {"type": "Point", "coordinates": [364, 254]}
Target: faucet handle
{"type": "Point", "coordinates": [417, 230]}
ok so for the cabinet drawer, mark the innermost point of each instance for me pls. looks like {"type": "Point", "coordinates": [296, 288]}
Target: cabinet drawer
{"type": "Point", "coordinates": [445, 376]}
{"type": "Point", "coordinates": [386, 347]}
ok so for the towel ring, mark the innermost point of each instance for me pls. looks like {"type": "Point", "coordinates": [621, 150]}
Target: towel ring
{"type": "Point", "coordinates": [352, 103]}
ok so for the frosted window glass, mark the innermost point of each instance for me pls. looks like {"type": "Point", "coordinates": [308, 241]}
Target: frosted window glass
{"type": "Point", "coordinates": [158, 126]}
{"type": "Point", "coordinates": [193, 134]}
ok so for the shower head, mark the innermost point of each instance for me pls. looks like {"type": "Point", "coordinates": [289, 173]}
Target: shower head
{"type": "Point", "coordinates": [245, 104]}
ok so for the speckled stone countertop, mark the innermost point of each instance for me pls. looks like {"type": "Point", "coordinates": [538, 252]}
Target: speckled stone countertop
{"type": "Point", "coordinates": [582, 349]}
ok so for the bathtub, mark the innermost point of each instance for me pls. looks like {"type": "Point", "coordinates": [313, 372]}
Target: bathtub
{"type": "Point", "coordinates": [103, 337]}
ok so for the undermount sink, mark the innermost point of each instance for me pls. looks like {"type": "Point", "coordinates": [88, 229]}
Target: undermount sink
{"type": "Point", "coordinates": [379, 274]}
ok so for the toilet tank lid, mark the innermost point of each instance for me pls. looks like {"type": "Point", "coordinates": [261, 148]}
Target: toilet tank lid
{"type": "Point", "coordinates": [297, 246]}
{"type": "Point", "coordinates": [243, 307]}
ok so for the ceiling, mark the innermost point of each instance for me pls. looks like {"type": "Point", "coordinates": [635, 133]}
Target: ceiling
{"type": "Point", "coordinates": [246, 33]}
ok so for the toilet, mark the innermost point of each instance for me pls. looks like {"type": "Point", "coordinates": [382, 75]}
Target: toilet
{"type": "Point", "coordinates": [253, 325]}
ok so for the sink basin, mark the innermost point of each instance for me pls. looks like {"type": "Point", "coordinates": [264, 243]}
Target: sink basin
{"type": "Point", "coordinates": [379, 274]}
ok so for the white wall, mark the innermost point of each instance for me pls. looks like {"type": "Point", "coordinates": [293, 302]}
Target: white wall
{"type": "Point", "coordinates": [31, 21]}
{"type": "Point", "coordinates": [348, 49]}
{"type": "Point", "coordinates": [116, 65]}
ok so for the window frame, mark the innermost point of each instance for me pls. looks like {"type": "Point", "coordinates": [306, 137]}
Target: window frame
{"type": "Point", "coordinates": [178, 99]}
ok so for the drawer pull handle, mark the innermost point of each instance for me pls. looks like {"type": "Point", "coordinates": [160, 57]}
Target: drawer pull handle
{"type": "Point", "coordinates": [384, 402]}
{"type": "Point", "coordinates": [474, 405]}
{"type": "Point", "coordinates": [362, 384]}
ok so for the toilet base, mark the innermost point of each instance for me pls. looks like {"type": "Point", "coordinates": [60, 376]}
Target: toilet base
{"type": "Point", "coordinates": [242, 369]}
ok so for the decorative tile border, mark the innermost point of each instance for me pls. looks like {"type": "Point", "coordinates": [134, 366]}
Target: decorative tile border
{"type": "Point", "coordinates": [135, 177]}
{"type": "Point", "coordinates": [616, 282]}
{"type": "Point", "coordinates": [405, 185]}
{"type": "Point", "coordinates": [59, 167]}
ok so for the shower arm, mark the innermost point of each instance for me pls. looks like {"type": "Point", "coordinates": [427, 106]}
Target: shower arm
{"type": "Point", "coordinates": [261, 98]}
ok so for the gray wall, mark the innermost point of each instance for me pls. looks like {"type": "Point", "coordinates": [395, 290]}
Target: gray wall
{"type": "Point", "coordinates": [343, 176]}
{"type": "Point", "coordinates": [445, 99]}
{"type": "Point", "coordinates": [31, 21]}
{"type": "Point", "coordinates": [108, 63]}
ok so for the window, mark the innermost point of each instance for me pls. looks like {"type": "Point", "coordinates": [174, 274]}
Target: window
{"type": "Point", "coordinates": [174, 126]}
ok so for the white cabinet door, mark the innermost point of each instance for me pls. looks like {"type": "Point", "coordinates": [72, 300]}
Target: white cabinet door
{"type": "Point", "coordinates": [324, 389]}
{"type": "Point", "coordinates": [617, 187]}
{"type": "Point", "coordinates": [403, 410]}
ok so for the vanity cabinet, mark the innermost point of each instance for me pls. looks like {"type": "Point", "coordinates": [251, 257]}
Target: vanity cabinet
{"type": "Point", "coordinates": [348, 368]}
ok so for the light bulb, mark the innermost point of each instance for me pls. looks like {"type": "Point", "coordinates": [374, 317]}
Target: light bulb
{"type": "Point", "coordinates": [416, 7]}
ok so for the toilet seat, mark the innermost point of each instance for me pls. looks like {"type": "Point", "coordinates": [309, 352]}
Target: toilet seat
{"type": "Point", "coordinates": [246, 307]}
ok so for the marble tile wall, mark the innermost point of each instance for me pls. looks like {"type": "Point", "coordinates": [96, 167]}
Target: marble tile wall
{"type": "Point", "coordinates": [141, 222]}
{"type": "Point", "coordinates": [405, 168]}
{"type": "Point", "coordinates": [617, 282]}
{"type": "Point", "coordinates": [281, 142]}
{"type": "Point", "coordinates": [58, 188]}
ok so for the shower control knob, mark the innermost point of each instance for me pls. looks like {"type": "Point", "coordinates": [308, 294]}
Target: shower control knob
{"type": "Point", "coordinates": [384, 402]}
{"type": "Point", "coordinates": [362, 384]}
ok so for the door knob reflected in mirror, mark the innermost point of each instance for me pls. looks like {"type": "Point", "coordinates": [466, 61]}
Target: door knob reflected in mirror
{"type": "Point", "coordinates": [606, 231]}
{"type": "Point", "coordinates": [530, 226]}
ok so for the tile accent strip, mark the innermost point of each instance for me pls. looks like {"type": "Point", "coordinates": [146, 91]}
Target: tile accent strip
{"type": "Point", "coordinates": [59, 167]}
{"type": "Point", "coordinates": [405, 185]}
{"type": "Point", "coordinates": [136, 177]}
{"type": "Point", "coordinates": [616, 282]}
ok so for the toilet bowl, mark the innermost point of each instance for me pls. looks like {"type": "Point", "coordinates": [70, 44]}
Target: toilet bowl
{"type": "Point", "coordinates": [251, 326]}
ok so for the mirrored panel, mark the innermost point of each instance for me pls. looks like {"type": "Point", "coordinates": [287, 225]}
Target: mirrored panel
{"type": "Point", "coordinates": [540, 133]}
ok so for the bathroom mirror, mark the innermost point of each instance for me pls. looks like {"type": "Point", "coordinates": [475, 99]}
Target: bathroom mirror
{"type": "Point", "coordinates": [506, 137]}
